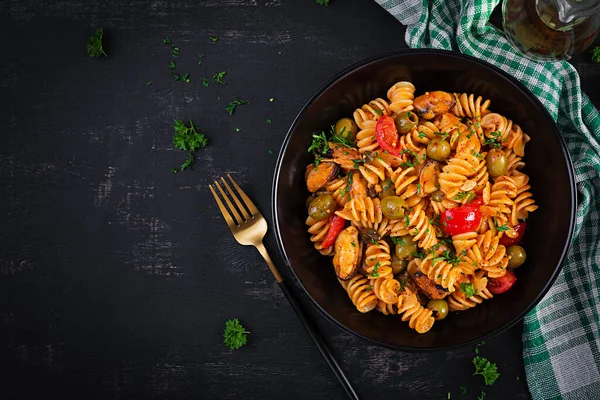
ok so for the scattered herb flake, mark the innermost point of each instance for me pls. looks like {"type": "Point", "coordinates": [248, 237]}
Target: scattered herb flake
{"type": "Point", "coordinates": [148, 83]}
{"type": "Point", "coordinates": [94, 44]}
{"type": "Point", "coordinates": [213, 38]}
{"type": "Point", "coordinates": [270, 151]}
{"type": "Point", "coordinates": [468, 289]}
{"type": "Point", "coordinates": [271, 99]}
{"type": "Point", "coordinates": [167, 40]}
{"type": "Point", "coordinates": [218, 77]}
{"type": "Point", "coordinates": [200, 56]}
{"type": "Point", "coordinates": [268, 120]}
{"type": "Point", "coordinates": [596, 54]}
{"type": "Point", "coordinates": [238, 129]}
{"type": "Point", "coordinates": [172, 65]}
{"type": "Point", "coordinates": [322, 2]}
{"type": "Point", "coordinates": [463, 390]}
{"type": "Point", "coordinates": [481, 395]}
{"type": "Point", "coordinates": [205, 82]}
{"type": "Point", "coordinates": [236, 102]}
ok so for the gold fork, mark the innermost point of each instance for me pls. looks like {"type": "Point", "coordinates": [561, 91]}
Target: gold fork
{"type": "Point", "coordinates": [249, 229]}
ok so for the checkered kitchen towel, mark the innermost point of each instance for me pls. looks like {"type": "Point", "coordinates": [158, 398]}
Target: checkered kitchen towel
{"type": "Point", "coordinates": [561, 336]}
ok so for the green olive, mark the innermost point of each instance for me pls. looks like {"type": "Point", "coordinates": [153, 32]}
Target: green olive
{"type": "Point", "coordinates": [439, 308]}
{"type": "Point", "coordinates": [322, 207]}
{"type": "Point", "coordinates": [517, 256]}
{"type": "Point", "coordinates": [393, 207]}
{"type": "Point", "coordinates": [438, 149]}
{"type": "Point", "coordinates": [405, 247]}
{"type": "Point", "coordinates": [387, 189]}
{"type": "Point", "coordinates": [496, 163]}
{"type": "Point", "coordinates": [438, 196]}
{"type": "Point", "coordinates": [406, 121]}
{"type": "Point", "coordinates": [398, 265]}
{"type": "Point", "coordinates": [346, 128]}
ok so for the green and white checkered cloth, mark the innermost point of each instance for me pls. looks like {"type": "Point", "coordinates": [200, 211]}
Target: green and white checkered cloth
{"type": "Point", "coordinates": [561, 336]}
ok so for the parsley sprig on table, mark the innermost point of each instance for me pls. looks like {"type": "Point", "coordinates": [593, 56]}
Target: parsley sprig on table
{"type": "Point", "coordinates": [94, 44]}
{"type": "Point", "coordinates": [187, 139]}
{"type": "Point", "coordinates": [596, 54]}
{"type": "Point", "coordinates": [236, 102]}
{"type": "Point", "coordinates": [488, 370]}
{"type": "Point", "coordinates": [468, 289]}
{"type": "Point", "coordinates": [234, 336]}
{"type": "Point", "coordinates": [323, 2]}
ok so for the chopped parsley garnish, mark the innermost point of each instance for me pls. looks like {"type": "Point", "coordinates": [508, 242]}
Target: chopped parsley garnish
{"type": "Point", "coordinates": [398, 240]}
{"type": "Point", "coordinates": [172, 65]}
{"type": "Point", "coordinates": [386, 184]}
{"type": "Point", "coordinates": [188, 139]}
{"type": "Point", "coordinates": [418, 188]}
{"type": "Point", "coordinates": [167, 40]}
{"type": "Point", "coordinates": [406, 221]}
{"type": "Point", "coordinates": [478, 346]}
{"type": "Point", "coordinates": [468, 196]}
{"type": "Point", "coordinates": [488, 370]}
{"type": "Point", "coordinates": [468, 289]}
{"type": "Point", "coordinates": [94, 44]}
{"type": "Point", "coordinates": [339, 138]}
{"type": "Point", "coordinates": [148, 83]}
{"type": "Point", "coordinates": [369, 288]}
{"type": "Point", "coordinates": [238, 129]}
{"type": "Point", "coordinates": [495, 141]}
{"type": "Point", "coordinates": [175, 51]}
{"type": "Point", "coordinates": [323, 2]}
{"type": "Point", "coordinates": [402, 284]}
{"type": "Point", "coordinates": [270, 151]}
{"type": "Point", "coordinates": [213, 38]}
{"type": "Point", "coordinates": [268, 120]}
{"type": "Point", "coordinates": [205, 82]}
{"type": "Point", "coordinates": [218, 77]}
{"type": "Point", "coordinates": [236, 102]}
{"type": "Point", "coordinates": [476, 154]}
{"type": "Point", "coordinates": [183, 78]}
{"type": "Point", "coordinates": [502, 228]}
{"type": "Point", "coordinates": [463, 390]}
{"type": "Point", "coordinates": [235, 335]}
{"type": "Point", "coordinates": [375, 274]}
{"type": "Point", "coordinates": [318, 146]}
{"type": "Point", "coordinates": [481, 395]}
{"type": "Point", "coordinates": [200, 56]}
{"type": "Point", "coordinates": [422, 135]}
{"type": "Point", "coordinates": [596, 54]}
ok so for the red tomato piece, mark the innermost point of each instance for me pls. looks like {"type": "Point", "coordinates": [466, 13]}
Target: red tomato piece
{"type": "Point", "coordinates": [477, 201]}
{"type": "Point", "coordinates": [506, 241]}
{"type": "Point", "coordinates": [336, 225]}
{"type": "Point", "coordinates": [461, 219]}
{"type": "Point", "coordinates": [387, 135]}
{"type": "Point", "coordinates": [501, 285]}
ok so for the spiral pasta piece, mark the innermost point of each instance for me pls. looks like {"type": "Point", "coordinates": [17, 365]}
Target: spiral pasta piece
{"type": "Point", "coordinates": [464, 241]}
{"type": "Point", "coordinates": [361, 293]}
{"type": "Point", "coordinates": [375, 171]}
{"type": "Point", "coordinates": [386, 289]}
{"type": "Point", "coordinates": [523, 203]}
{"type": "Point", "coordinates": [318, 231]}
{"type": "Point", "coordinates": [455, 174]}
{"type": "Point", "coordinates": [387, 309]}
{"type": "Point", "coordinates": [365, 211]}
{"type": "Point", "coordinates": [419, 318]}
{"type": "Point", "coordinates": [441, 272]}
{"type": "Point", "coordinates": [339, 190]}
{"type": "Point", "coordinates": [401, 96]}
{"type": "Point", "coordinates": [457, 301]}
{"type": "Point", "coordinates": [517, 140]}
{"type": "Point", "coordinates": [377, 260]}
{"type": "Point", "coordinates": [468, 106]}
{"type": "Point", "coordinates": [405, 181]}
{"type": "Point", "coordinates": [419, 226]}
{"type": "Point", "coordinates": [502, 193]}
{"type": "Point", "coordinates": [494, 123]}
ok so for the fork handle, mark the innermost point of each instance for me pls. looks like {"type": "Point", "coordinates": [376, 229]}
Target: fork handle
{"type": "Point", "coordinates": [318, 339]}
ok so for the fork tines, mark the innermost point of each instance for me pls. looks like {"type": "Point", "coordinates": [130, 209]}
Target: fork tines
{"type": "Point", "coordinates": [237, 219]}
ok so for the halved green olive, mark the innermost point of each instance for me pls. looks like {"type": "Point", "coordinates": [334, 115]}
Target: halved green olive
{"type": "Point", "coordinates": [405, 247]}
{"type": "Point", "coordinates": [406, 121]}
{"type": "Point", "coordinates": [438, 149]}
{"type": "Point", "coordinates": [322, 207]}
{"type": "Point", "coordinates": [438, 196]}
{"type": "Point", "coordinates": [496, 162]}
{"type": "Point", "coordinates": [398, 266]}
{"type": "Point", "coordinates": [517, 256]}
{"type": "Point", "coordinates": [393, 207]}
{"type": "Point", "coordinates": [346, 128]}
{"type": "Point", "coordinates": [439, 308]}
{"type": "Point", "coordinates": [387, 189]}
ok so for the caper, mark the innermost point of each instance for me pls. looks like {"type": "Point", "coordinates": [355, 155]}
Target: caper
{"type": "Point", "coordinates": [438, 149]}
{"type": "Point", "coordinates": [438, 196]}
{"type": "Point", "coordinates": [439, 308]}
{"type": "Point", "coordinates": [369, 156]}
{"type": "Point", "coordinates": [393, 207]}
{"type": "Point", "coordinates": [369, 235]}
{"type": "Point", "coordinates": [406, 121]}
{"type": "Point", "coordinates": [405, 247]}
{"type": "Point", "coordinates": [398, 265]}
{"type": "Point", "coordinates": [496, 163]}
{"type": "Point", "coordinates": [517, 256]}
{"type": "Point", "coordinates": [371, 192]}
{"type": "Point", "coordinates": [346, 128]}
{"type": "Point", "coordinates": [322, 207]}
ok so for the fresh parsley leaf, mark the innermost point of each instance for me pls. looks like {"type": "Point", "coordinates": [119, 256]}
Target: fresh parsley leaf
{"type": "Point", "coordinates": [398, 240]}
{"type": "Point", "coordinates": [200, 56]}
{"type": "Point", "coordinates": [218, 77]}
{"type": "Point", "coordinates": [481, 395]}
{"type": "Point", "coordinates": [172, 65]}
{"type": "Point", "coordinates": [463, 390]}
{"type": "Point", "coordinates": [148, 83]}
{"type": "Point", "coordinates": [213, 38]}
{"type": "Point", "coordinates": [486, 369]}
{"type": "Point", "coordinates": [476, 154]}
{"type": "Point", "coordinates": [369, 288]}
{"type": "Point", "coordinates": [183, 78]}
{"type": "Point", "coordinates": [236, 102]}
{"type": "Point", "coordinates": [235, 335]}
{"type": "Point", "coordinates": [269, 121]}
{"type": "Point", "coordinates": [188, 139]}
{"type": "Point", "coordinates": [167, 40]}
{"type": "Point", "coordinates": [175, 51]}
{"type": "Point", "coordinates": [468, 289]}
{"type": "Point", "coordinates": [270, 151]}
{"type": "Point", "coordinates": [323, 2]}
{"type": "Point", "coordinates": [468, 196]}
{"type": "Point", "coordinates": [205, 82]}
{"type": "Point", "coordinates": [318, 147]}
{"type": "Point", "coordinates": [478, 346]}
{"type": "Point", "coordinates": [502, 228]}
{"type": "Point", "coordinates": [406, 221]}
{"type": "Point", "coordinates": [422, 135]}
{"type": "Point", "coordinates": [596, 54]}
{"type": "Point", "coordinates": [238, 129]}
{"type": "Point", "coordinates": [94, 44]}
{"type": "Point", "coordinates": [375, 274]}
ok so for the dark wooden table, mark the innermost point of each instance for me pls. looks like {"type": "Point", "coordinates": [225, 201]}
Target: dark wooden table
{"type": "Point", "coordinates": [117, 276]}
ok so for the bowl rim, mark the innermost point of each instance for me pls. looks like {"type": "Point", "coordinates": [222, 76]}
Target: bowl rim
{"type": "Point", "coordinates": [434, 52]}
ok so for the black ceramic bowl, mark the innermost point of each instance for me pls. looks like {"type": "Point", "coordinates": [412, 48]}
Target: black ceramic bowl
{"type": "Point", "coordinates": [549, 229]}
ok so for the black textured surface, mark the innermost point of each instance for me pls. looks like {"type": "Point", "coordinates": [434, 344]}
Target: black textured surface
{"type": "Point", "coordinates": [116, 277]}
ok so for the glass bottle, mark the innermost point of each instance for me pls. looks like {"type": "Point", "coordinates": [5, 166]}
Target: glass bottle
{"type": "Point", "coordinates": [551, 29]}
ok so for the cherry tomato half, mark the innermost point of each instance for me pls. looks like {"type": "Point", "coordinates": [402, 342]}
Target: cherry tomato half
{"type": "Point", "coordinates": [477, 201]}
{"type": "Point", "coordinates": [506, 241]}
{"type": "Point", "coordinates": [387, 135]}
{"type": "Point", "coordinates": [461, 219]}
{"type": "Point", "coordinates": [336, 225]}
{"type": "Point", "coordinates": [501, 285]}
